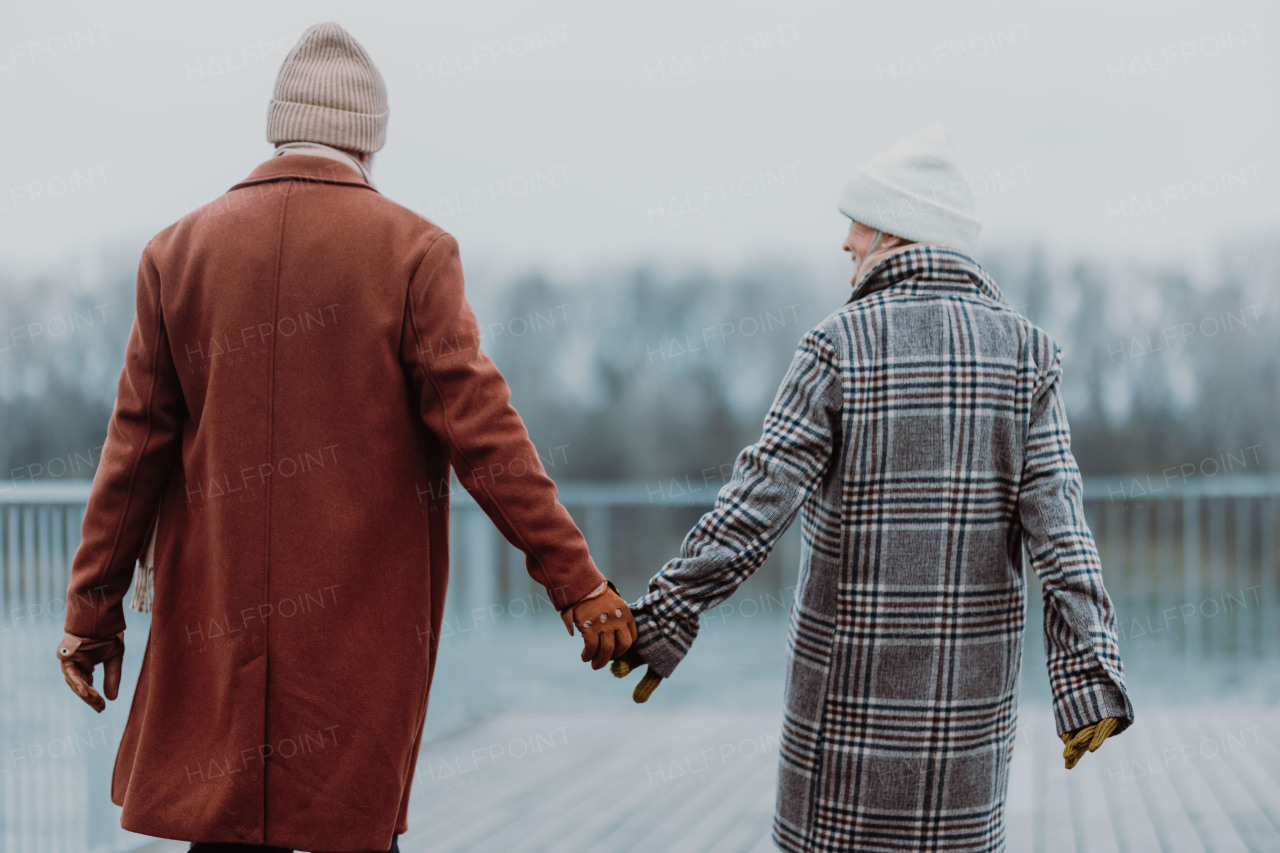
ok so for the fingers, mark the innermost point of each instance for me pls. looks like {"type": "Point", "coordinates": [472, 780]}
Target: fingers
{"type": "Point", "coordinates": [1102, 732]}
{"type": "Point", "coordinates": [647, 685]}
{"type": "Point", "coordinates": [590, 644]}
{"type": "Point", "coordinates": [80, 682]}
{"type": "Point", "coordinates": [567, 618]}
{"type": "Point", "coordinates": [605, 649]}
{"type": "Point", "coordinates": [111, 677]}
{"type": "Point", "coordinates": [626, 636]}
{"type": "Point", "coordinates": [1087, 739]}
{"type": "Point", "coordinates": [74, 681]}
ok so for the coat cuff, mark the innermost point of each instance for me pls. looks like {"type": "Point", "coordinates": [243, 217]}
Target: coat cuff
{"type": "Point", "coordinates": [661, 642]}
{"type": "Point", "coordinates": [1092, 701]}
{"type": "Point", "coordinates": [93, 620]}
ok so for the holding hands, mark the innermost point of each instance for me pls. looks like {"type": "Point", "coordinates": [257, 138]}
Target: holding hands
{"type": "Point", "coordinates": [606, 625]}
{"type": "Point", "coordinates": [608, 632]}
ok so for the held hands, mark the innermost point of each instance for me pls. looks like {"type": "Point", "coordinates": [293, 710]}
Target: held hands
{"type": "Point", "coordinates": [1086, 739]}
{"type": "Point", "coordinates": [79, 655]}
{"type": "Point", "coordinates": [605, 621]}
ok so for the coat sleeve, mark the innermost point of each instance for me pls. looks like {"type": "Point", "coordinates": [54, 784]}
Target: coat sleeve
{"type": "Point", "coordinates": [1080, 630]}
{"type": "Point", "coordinates": [143, 439]}
{"type": "Point", "coordinates": [771, 481]}
{"type": "Point", "coordinates": [465, 402]}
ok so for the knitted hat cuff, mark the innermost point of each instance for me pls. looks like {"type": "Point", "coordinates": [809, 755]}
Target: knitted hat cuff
{"type": "Point", "coordinates": [289, 121]}
{"type": "Point", "coordinates": [878, 204]}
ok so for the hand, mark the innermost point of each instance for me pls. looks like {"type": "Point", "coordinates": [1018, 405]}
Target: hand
{"type": "Point", "coordinates": [649, 682]}
{"type": "Point", "coordinates": [607, 626]}
{"type": "Point", "coordinates": [1087, 739]}
{"type": "Point", "coordinates": [79, 655]}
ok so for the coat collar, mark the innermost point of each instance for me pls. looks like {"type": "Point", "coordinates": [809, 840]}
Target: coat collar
{"type": "Point", "coordinates": [932, 267]}
{"type": "Point", "coordinates": [304, 167]}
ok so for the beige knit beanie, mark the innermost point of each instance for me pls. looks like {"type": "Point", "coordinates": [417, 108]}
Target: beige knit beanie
{"type": "Point", "coordinates": [328, 91]}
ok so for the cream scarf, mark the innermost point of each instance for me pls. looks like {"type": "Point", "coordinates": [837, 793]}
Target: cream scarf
{"type": "Point", "coordinates": [317, 149]}
{"type": "Point", "coordinates": [145, 571]}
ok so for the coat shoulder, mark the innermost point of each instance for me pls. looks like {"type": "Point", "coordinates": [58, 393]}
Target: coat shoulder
{"type": "Point", "coordinates": [240, 209]}
{"type": "Point", "coordinates": [400, 214]}
{"type": "Point", "coordinates": [862, 317]}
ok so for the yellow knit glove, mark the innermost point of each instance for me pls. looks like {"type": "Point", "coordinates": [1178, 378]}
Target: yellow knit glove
{"type": "Point", "coordinates": [649, 682]}
{"type": "Point", "coordinates": [1087, 739]}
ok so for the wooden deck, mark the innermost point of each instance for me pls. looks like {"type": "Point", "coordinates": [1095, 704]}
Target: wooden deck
{"type": "Point", "coordinates": [649, 781]}
{"type": "Point", "coordinates": [703, 782]}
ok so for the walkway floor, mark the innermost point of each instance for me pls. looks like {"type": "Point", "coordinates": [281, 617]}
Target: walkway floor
{"type": "Point", "coordinates": [650, 781]}
{"type": "Point", "coordinates": [704, 783]}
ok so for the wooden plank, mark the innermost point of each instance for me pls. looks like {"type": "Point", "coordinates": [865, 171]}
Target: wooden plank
{"type": "Point", "coordinates": [461, 814]}
{"type": "Point", "coordinates": [1144, 769]}
{"type": "Point", "coordinates": [1221, 744]}
{"type": "Point", "coordinates": [1114, 783]}
{"type": "Point", "coordinates": [557, 783]}
{"type": "Point", "coordinates": [1268, 752]}
{"type": "Point", "coordinates": [1092, 817]}
{"type": "Point", "coordinates": [634, 801]}
{"type": "Point", "coordinates": [1139, 793]}
{"type": "Point", "coordinates": [1055, 832]}
{"type": "Point", "coordinates": [693, 818]}
{"type": "Point", "coordinates": [1213, 826]}
{"type": "Point", "coordinates": [1253, 765]}
{"type": "Point", "coordinates": [753, 828]}
{"type": "Point", "coordinates": [674, 775]}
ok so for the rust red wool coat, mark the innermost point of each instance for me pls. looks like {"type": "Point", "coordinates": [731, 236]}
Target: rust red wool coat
{"type": "Point", "coordinates": [921, 437]}
{"type": "Point", "coordinates": [302, 373]}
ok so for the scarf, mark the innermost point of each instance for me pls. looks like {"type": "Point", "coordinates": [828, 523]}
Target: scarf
{"type": "Point", "coordinates": [317, 149]}
{"type": "Point", "coordinates": [145, 571]}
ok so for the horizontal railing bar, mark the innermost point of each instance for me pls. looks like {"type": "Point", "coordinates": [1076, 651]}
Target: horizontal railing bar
{"type": "Point", "coordinates": [667, 492]}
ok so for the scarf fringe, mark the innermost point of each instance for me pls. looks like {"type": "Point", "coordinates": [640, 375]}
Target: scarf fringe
{"type": "Point", "coordinates": [144, 573]}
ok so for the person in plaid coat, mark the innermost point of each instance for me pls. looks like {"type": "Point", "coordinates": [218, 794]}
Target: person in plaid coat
{"type": "Point", "coordinates": [921, 435]}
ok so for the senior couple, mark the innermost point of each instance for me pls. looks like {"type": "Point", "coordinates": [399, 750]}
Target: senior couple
{"type": "Point", "coordinates": [919, 432]}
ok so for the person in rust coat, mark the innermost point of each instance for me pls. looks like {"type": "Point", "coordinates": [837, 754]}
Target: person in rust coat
{"type": "Point", "coordinates": [302, 374]}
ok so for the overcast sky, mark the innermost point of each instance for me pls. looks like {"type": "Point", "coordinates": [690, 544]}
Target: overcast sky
{"type": "Point", "coordinates": [571, 135]}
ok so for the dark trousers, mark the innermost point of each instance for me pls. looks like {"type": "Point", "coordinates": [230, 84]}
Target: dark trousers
{"type": "Point", "coordinates": [223, 847]}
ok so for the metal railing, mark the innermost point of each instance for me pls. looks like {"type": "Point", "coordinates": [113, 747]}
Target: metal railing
{"type": "Point", "coordinates": [1192, 568]}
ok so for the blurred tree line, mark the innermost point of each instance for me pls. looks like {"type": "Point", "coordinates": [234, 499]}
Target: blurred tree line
{"type": "Point", "coordinates": [649, 374]}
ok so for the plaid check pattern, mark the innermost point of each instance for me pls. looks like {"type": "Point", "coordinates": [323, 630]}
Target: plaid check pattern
{"type": "Point", "coordinates": [921, 437]}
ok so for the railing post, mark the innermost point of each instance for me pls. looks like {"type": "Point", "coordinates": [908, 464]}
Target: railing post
{"type": "Point", "coordinates": [1191, 569]}
{"type": "Point", "coordinates": [30, 571]}
{"type": "Point", "coordinates": [1243, 552]}
{"type": "Point", "coordinates": [596, 520]}
{"type": "Point", "coordinates": [1139, 568]}
{"type": "Point", "coordinates": [1269, 578]}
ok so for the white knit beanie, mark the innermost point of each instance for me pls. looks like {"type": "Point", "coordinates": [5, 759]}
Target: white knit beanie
{"type": "Point", "coordinates": [916, 190]}
{"type": "Point", "coordinates": [328, 91]}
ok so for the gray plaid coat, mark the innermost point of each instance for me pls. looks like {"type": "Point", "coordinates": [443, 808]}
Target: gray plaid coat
{"type": "Point", "coordinates": [921, 434]}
